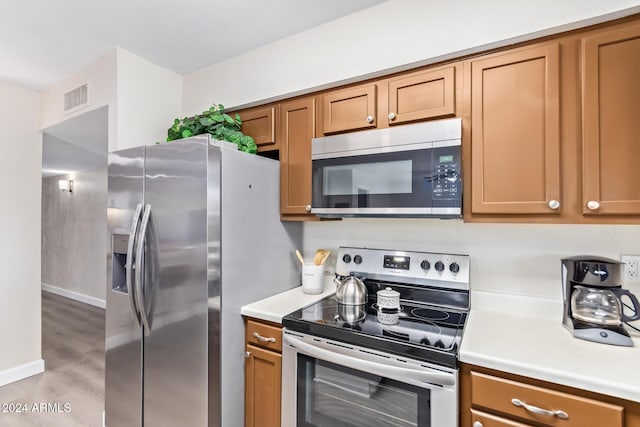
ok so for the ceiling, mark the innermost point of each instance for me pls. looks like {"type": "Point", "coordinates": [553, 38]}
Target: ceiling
{"type": "Point", "coordinates": [42, 42]}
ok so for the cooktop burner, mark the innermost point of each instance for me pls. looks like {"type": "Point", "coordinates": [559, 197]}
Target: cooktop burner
{"type": "Point", "coordinates": [434, 305]}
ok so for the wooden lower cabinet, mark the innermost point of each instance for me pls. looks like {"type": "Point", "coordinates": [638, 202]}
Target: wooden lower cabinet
{"type": "Point", "coordinates": [263, 374]}
{"type": "Point", "coordinates": [492, 398]}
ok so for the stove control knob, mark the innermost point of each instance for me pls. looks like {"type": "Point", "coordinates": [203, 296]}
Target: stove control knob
{"type": "Point", "coordinates": [357, 259]}
{"type": "Point", "coordinates": [454, 267]}
{"type": "Point", "coordinates": [346, 258]}
{"type": "Point", "coordinates": [425, 265]}
{"type": "Point", "coordinates": [440, 266]}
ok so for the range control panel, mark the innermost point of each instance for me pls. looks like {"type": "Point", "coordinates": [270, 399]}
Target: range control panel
{"type": "Point", "coordinates": [428, 268]}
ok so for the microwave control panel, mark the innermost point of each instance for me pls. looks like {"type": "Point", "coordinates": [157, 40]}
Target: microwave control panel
{"type": "Point", "coordinates": [446, 182]}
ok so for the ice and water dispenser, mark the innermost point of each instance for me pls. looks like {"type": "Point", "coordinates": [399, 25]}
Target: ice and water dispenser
{"type": "Point", "coordinates": [119, 245]}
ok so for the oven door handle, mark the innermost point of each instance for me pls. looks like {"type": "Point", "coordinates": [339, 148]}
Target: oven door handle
{"type": "Point", "coordinates": [392, 372]}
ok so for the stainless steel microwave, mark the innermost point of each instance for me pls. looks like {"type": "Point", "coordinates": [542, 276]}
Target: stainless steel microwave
{"type": "Point", "coordinates": [405, 171]}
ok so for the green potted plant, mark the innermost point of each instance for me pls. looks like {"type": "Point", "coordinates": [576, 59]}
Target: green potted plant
{"type": "Point", "coordinates": [216, 122]}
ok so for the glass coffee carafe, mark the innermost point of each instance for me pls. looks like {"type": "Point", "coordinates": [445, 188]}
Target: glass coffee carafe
{"type": "Point", "coordinates": [602, 306]}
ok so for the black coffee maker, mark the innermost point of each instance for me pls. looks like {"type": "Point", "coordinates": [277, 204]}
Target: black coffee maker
{"type": "Point", "coordinates": [592, 292]}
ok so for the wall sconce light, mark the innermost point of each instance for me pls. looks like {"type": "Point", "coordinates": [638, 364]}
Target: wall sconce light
{"type": "Point", "coordinates": [66, 185]}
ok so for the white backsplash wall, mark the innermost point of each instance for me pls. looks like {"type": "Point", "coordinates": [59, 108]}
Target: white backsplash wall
{"type": "Point", "coordinates": [74, 234]}
{"type": "Point", "coordinates": [522, 259]}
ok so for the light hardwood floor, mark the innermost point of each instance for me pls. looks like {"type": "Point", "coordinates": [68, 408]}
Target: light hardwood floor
{"type": "Point", "coordinates": [73, 351]}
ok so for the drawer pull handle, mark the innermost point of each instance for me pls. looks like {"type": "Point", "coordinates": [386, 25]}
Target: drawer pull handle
{"type": "Point", "coordinates": [534, 409]}
{"type": "Point", "coordinates": [263, 339]}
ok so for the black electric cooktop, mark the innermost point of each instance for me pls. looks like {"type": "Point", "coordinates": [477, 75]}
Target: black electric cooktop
{"type": "Point", "coordinates": [424, 331]}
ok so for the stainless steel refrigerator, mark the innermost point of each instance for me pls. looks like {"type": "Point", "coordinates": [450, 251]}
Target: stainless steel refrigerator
{"type": "Point", "coordinates": [195, 234]}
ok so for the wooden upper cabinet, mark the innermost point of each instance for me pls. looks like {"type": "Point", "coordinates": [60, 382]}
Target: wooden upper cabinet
{"type": "Point", "coordinates": [261, 124]}
{"type": "Point", "coordinates": [349, 109]}
{"type": "Point", "coordinates": [421, 96]}
{"type": "Point", "coordinates": [298, 127]}
{"type": "Point", "coordinates": [611, 122]}
{"type": "Point", "coordinates": [515, 132]}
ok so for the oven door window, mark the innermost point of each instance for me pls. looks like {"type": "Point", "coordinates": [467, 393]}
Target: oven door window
{"type": "Point", "coordinates": [330, 395]}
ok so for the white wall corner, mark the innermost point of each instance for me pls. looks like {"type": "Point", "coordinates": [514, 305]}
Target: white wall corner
{"type": "Point", "coordinates": [76, 296]}
{"type": "Point", "coordinates": [149, 98]}
{"type": "Point", "coordinates": [21, 372]}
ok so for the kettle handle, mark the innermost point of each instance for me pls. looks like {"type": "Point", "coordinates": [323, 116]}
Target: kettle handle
{"type": "Point", "coordinates": [634, 300]}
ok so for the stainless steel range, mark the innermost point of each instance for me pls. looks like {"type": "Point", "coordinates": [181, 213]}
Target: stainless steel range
{"type": "Point", "coordinates": [372, 365]}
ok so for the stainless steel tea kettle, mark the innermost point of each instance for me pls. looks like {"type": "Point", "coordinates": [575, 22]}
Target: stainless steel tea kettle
{"type": "Point", "coordinates": [350, 290]}
{"type": "Point", "coordinates": [602, 306]}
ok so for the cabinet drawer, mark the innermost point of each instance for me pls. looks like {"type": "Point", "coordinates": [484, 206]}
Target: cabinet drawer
{"type": "Point", "coordinates": [496, 394]}
{"type": "Point", "coordinates": [263, 335]}
{"type": "Point", "coordinates": [481, 419]}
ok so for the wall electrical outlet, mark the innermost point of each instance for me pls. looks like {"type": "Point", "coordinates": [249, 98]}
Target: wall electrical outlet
{"type": "Point", "coordinates": [631, 268]}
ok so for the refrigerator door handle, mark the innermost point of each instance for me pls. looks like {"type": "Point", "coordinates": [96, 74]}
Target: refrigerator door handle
{"type": "Point", "coordinates": [135, 312]}
{"type": "Point", "coordinates": [142, 238]}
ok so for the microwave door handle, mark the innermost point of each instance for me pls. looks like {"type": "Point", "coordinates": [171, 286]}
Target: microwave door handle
{"type": "Point", "coordinates": [392, 372]}
{"type": "Point", "coordinates": [135, 312]}
{"type": "Point", "coordinates": [142, 237]}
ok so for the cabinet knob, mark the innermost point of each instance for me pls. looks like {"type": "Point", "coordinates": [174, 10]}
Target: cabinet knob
{"type": "Point", "coordinates": [554, 204]}
{"type": "Point", "coordinates": [477, 424]}
{"type": "Point", "coordinates": [392, 116]}
{"type": "Point", "coordinates": [369, 119]}
{"type": "Point", "coordinates": [247, 354]}
{"type": "Point", "coordinates": [307, 208]}
{"type": "Point", "coordinates": [593, 205]}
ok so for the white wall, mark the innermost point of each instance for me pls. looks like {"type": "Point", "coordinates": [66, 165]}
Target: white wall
{"type": "Point", "coordinates": [20, 165]}
{"type": "Point", "coordinates": [391, 36]}
{"type": "Point", "coordinates": [520, 259]}
{"type": "Point", "coordinates": [143, 98]}
{"type": "Point", "coordinates": [74, 235]}
{"type": "Point", "coordinates": [101, 77]}
{"type": "Point", "coordinates": [149, 98]}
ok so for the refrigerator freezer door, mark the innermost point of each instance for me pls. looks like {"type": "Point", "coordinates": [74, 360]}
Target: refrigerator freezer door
{"type": "Point", "coordinates": [175, 345]}
{"type": "Point", "coordinates": [123, 336]}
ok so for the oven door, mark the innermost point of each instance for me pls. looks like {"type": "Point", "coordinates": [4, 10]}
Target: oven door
{"type": "Point", "coordinates": [424, 180]}
{"type": "Point", "coordinates": [331, 384]}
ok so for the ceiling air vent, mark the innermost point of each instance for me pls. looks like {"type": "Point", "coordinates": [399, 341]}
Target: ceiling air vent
{"type": "Point", "coordinates": [77, 98]}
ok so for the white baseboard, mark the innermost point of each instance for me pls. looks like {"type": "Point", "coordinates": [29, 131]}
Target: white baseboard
{"type": "Point", "coordinates": [96, 302]}
{"type": "Point", "coordinates": [21, 372]}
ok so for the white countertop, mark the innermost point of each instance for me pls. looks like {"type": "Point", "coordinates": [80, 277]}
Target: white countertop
{"type": "Point", "coordinates": [516, 334]}
{"type": "Point", "coordinates": [536, 345]}
{"type": "Point", "coordinates": [274, 308]}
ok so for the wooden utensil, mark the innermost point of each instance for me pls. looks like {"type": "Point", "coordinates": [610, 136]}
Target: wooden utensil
{"type": "Point", "coordinates": [324, 258]}
{"type": "Point", "coordinates": [317, 258]}
{"type": "Point", "coordinates": [299, 255]}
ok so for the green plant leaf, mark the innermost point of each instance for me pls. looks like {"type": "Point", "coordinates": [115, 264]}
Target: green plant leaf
{"type": "Point", "coordinates": [187, 133]}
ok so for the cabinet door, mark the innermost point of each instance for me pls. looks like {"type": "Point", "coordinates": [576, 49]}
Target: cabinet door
{"type": "Point", "coordinates": [260, 124]}
{"type": "Point", "coordinates": [263, 373]}
{"type": "Point", "coordinates": [349, 109]}
{"type": "Point", "coordinates": [422, 96]}
{"type": "Point", "coordinates": [298, 125]}
{"type": "Point", "coordinates": [515, 132]}
{"type": "Point", "coordinates": [611, 122]}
